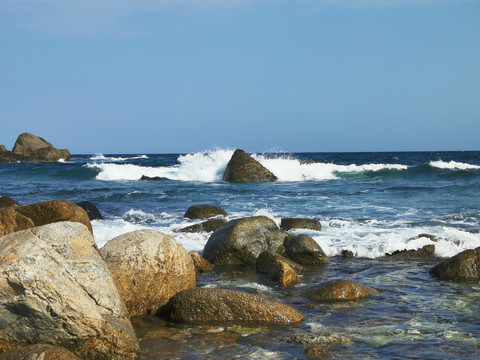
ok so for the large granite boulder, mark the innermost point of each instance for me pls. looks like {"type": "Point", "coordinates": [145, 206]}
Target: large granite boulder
{"type": "Point", "coordinates": [461, 267]}
{"type": "Point", "coordinates": [278, 268]}
{"type": "Point", "coordinates": [38, 149]}
{"type": "Point", "coordinates": [56, 289]}
{"type": "Point", "coordinates": [6, 202]}
{"type": "Point", "coordinates": [149, 268]}
{"type": "Point", "coordinates": [12, 221]}
{"type": "Point", "coordinates": [53, 211]}
{"type": "Point", "coordinates": [222, 305]}
{"type": "Point", "coordinates": [204, 212]}
{"type": "Point", "coordinates": [304, 250]}
{"type": "Point", "coordinates": [342, 290]}
{"type": "Point", "coordinates": [242, 240]}
{"type": "Point", "coordinates": [39, 352]}
{"type": "Point", "coordinates": [300, 223]}
{"type": "Point", "coordinates": [242, 168]}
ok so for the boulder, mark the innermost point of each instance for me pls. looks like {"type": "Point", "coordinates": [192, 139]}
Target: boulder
{"type": "Point", "coordinates": [206, 226]}
{"type": "Point", "coordinates": [297, 223]}
{"type": "Point", "coordinates": [56, 289]}
{"type": "Point", "coordinates": [3, 148]}
{"type": "Point", "coordinates": [12, 221]}
{"type": "Point", "coordinates": [278, 268]}
{"type": "Point", "coordinates": [348, 254]}
{"type": "Point", "coordinates": [201, 264]}
{"type": "Point", "coordinates": [240, 241]}
{"type": "Point", "coordinates": [154, 178]}
{"type": "Point", "coordinates": [39, 352]}
{"type": "Point", "coordinates": [426, 252]}
{"type": "Point", "coordinates": [204, 212]}
{"type": "Point", "coordinates": [7, 201]}
{"type": "Point", "coordinates": [53, 211]}
{"type": "Point", "coordinates": [91, 210]}
{"type": "Point", "coordinates": [38, 149]}
{"type": "Point", "coordinates": [461, 267]}
{"type": "Point", "coordinates": [149, 268]}
{"type": "Point", "coordinates": [304, 250]}
{"type": "Point", "coordinates": [242, 168]}
{"type": "Point", "coordinates": [342, 290]}
{"type": "Point", "coordinates": [231, 306]}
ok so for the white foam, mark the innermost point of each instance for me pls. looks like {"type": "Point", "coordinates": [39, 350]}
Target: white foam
{"type": "Point", "coordinates": [453, 165]}
{"type": "Point", "coordinates": [101, 157]}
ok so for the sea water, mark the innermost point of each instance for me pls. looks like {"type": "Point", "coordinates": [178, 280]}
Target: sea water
{"type": "Point", "coordinates": [369, 203]}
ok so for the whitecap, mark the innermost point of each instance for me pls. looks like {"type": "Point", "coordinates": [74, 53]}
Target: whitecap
{"type": "Point", "coordinates": [453, 165]}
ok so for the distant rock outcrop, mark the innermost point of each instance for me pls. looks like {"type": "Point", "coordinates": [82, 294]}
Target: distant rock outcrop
{"type": "Point", "coordinates": [242, 168]}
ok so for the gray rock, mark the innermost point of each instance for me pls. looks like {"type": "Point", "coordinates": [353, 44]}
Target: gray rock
{"type": "Point", "coordinates": [204, 212]}
{"type": "Point", "coordinates": [242, 168]}
{"type": "Point", "coordinates": [426, 252]}
{"type": "Point", "coordinates": [56, 289]}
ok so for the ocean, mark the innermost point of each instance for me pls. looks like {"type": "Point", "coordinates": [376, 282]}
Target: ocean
{"type": "Point", "coordinates": [369, 203]}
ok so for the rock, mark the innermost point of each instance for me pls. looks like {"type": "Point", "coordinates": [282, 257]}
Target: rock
{"type": "Point", "coordinates": [12, 221]}
{"type": "Point", "coordinates": [297, 223]}
{"type": "Point", "coordinates": [39, 149]}
{"type": "Point", "coordinates": [278, 268]}
{"type": "Point", "coordinates": [56, 289]}
{"type": "Point", "coordinates": [240, 241]}
{"type": "Point", "coordinates": [8, 157]}
{"type": "Point", "coordinates": [201, 264]}
{"type": "Point", "coordinates": [242, 168]}
{"type": "Point", "coordinates": [3, 148]}
{"type": "Point", "coordinates": [348, 254]}
{"type": "Point", "coordinates": [222, 305]}
{"type": "Point", "coordinates": [91, 210]}
{"type": "Point", "coordinates": [39, 352]}
{"type": "Point", "coordinates": [342, 290]}
{"type": "Point", "coordinates": [155, 178]}
{"type": "Point", "coordinates": [53, 211]}
{"type": "Point", "coordinates": [149, 268]}
{"type": "Point", "coordinates": [7, 201]}
{"type": "Point", "coordinates": [426, 252]}
{"type": "Point", "coordinates": [206, 226]}
{"type": "Point", "coordinates": [305, 251]}
{"type": "Point", "coordinates": [204, 212]}
{"type": "Point", "coordinates": [310, 339]}
{"type": "Point", "coordinates": [428, 236]}
{"type": "Point", "coordinates": [317, 352]}
{"type": "Point", "coordinates": [461, 267]}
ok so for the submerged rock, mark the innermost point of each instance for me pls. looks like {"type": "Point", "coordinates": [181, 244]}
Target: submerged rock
{"type": "Point", "coordinates": [56, 289]}
{"type": "Point", "coordinates": [222, 305]}
{"type": "Point", "coordinates": [278, 268]}
{"type": "Point", "coordinates": [39, 352]}
{"type": "Point", "coordinates": [342, 290]}
{"type": "Point", "coordinates": [426, 252]}
{"type": "Point", "coordinates": [204, 212]}
{"type": "Point", "coordinates": [242, 168]}
{"type": "Point", "coordinates": [241, 241]}
{"type": "Point", "coordinates": [299, 223]}
{"type": "Point", "coordinates": [461, 267]}
{"type": "Point", "coordinates": [149, 268]}
{"type": "Point", "coordinates": [304, 250]}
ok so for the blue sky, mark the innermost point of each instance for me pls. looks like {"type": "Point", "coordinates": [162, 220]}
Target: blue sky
{"type": "Point", "coordinates": [171, 76]}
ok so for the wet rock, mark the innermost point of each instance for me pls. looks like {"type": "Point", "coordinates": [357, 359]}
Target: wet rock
{"type": "Point", "coordinates": [461, 267]}
{"type": "Point", "coordinates": [7, 201]}
{"type": "Point", "coordinates": [204, 212]}
{"type": "Point", "coordinates": [348, 254]}
{"type": "Point", "coordinates": [149, 268]}
{"type": "Point", "coordinates": [91, 210]}
{"type": "Point", "coordinates": [39, 352]}
{"type": "Point", "coordinates": [428, 236]}
{"type": "Point", "coordinates": [38, 149]}
{"type": "Point", "coordinates": [426, 252]}
{"type": "Point", "coordinates": [341, 290]}
{"type": "Point", "coordinates": [201, 264]}
{"type": "Point", "coordinates": [278, 268]}
{"type": "Point", "coordinates": [12, 221]}
{"type": "Point", "coordinates": [154, 178]}
{"type": "Point", "coordinates": [222, 305]}
{"type": "Point", "coordinates": [56, 289]}
{"type": "Point", "coordinates": [304, 250]}
{"type": "Point", "coordinates": [206, 226]}
{"type": "Point", "coordinates": [8, 157]}
{"type": "Point", "coordinates": [317, 352]}
{"type": "Point", "coordinates": [298, 223]}
{"type": "Point", "coordinates": [241, 241]}
{"type": "Point", "coordinates": [309, 339]}
{"type": "Point", "coordinates": [242, 168]}
{"type": "Point", "coordinates": [48, 212]}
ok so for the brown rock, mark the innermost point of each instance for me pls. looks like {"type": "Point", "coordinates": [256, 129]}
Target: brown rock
{"type": "Point", "coordinates": [206, 226]}
{"type": "Point", "coordinates": [241, 241]}
{"type": "Point", "coordinates": [299, 223]}
{"type": "Point", "coordinates": [204, 212]}
{"type": "Point", "coordinates": [39, 352]}
{"type": "Point", "coordinates": [7, 201]}
{"type": "Point", "coordinates": [428, 251]}
{"type": "Point", "coordinates": [53, 211]}
{"type": "Point", "coordinates": [317, 352]}
{"type": "Point", "coordinates": [149, 268]}
{"type": "Point", "coordinates": [461, 267]}
{"type": "Point", "coordinates": [12, 221]}
{"type": "Point", "coordinates": [3, 148]}
{"type": "Point", "coordinates": [242, 168]}
{"type": "Point", "coordinates": [342, 290]}
{"type": "Point", "coordinates": [201, 264]}
{"type": "Point", "coordinates": [278, 268]}
{"type": "Point", "coordinates": [37, 148]}
{"type": "Point", "coordinates": [221, 305]}
{"type": "Point", "coordinates": [304, 250]}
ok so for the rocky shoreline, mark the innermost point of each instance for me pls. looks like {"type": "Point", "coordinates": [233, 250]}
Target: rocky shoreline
{"type": "Point", "coordinates": [59, 289]}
